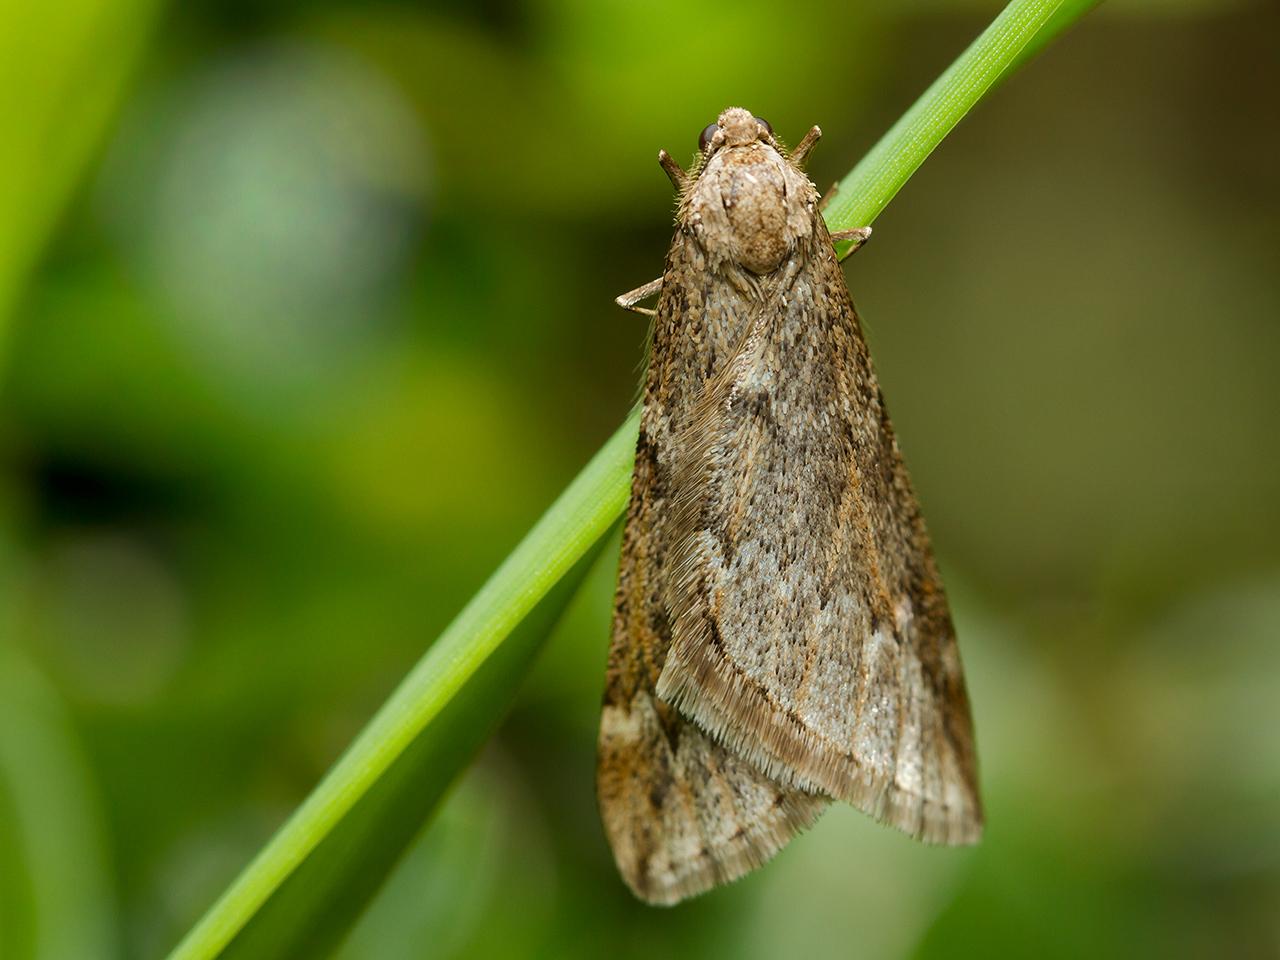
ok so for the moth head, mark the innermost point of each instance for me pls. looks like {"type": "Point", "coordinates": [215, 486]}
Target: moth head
{"type": "Point", "coordinates": [745, 203]}
{"type": "Point", "coordinates": [734, 128]}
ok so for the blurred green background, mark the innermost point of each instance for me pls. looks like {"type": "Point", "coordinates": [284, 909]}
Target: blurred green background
{"type": "Point", "coordinates": [305, 316]}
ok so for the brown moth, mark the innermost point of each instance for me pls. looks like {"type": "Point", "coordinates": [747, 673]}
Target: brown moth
{"type": "Point", "coordinates": [780, 634]}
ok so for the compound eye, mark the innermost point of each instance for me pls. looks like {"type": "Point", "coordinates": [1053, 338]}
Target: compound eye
{"type": "Point", "coordinates": [766, 124]}
{"type": "Point", "coordinates": [704, 138]}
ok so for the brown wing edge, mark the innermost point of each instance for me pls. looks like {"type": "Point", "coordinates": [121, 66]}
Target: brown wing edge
{"type": "Point", "coordinates": [681, 814]}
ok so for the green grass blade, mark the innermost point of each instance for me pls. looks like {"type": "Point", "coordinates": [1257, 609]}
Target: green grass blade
{"type": "Point", "coordinates": [318, 902]}
{"type": "Point", "coordinates": [1067, 14]}
{"type": "Point", "coordinates": [875, 181]}
{"type": "Point", "coordinates": [63, 70]}
{"type": "Point", "coordinates": [421, 720]}
{"type": "Point", "coordinates": [458, 686]}
{"type": "Point", "coordinates": [55, 881]}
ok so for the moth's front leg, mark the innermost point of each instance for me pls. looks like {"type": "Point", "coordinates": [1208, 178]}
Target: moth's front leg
{"type": "Point", "coordinates": [629, 299]}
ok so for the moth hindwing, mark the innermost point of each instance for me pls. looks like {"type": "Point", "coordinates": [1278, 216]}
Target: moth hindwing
{"type": "Point", "coordinates": [780, 634]}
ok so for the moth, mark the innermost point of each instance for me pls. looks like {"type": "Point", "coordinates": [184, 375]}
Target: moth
{"type": "Point", "coordinates": [780, 636]}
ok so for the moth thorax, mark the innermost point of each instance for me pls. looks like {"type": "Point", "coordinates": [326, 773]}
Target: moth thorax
{"type": "Point", "coordinates": [757, 213]}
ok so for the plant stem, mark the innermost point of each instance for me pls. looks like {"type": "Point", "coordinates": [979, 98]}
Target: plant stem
{"type": "Point", "coordinates": [580, 516]}
{"type": "Point", "coordinates": [878, 177]}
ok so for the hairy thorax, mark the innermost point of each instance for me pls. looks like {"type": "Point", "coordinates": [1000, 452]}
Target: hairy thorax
{"type": "Point", "coordinates": [750, 207]}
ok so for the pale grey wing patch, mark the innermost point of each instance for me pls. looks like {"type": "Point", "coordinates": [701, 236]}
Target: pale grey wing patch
{"type": "Point", "coordinates": [903, 745]}
{"type": "Point", "coordinates": [682, 815]}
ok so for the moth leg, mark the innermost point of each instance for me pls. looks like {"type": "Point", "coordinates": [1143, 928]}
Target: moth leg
{"type": "Point", "coordinates": [807, 143]}
{"type": "Point", "coordinates": [679, 179]}
{"type": "Point", "coordinates": [628, 300]}
{"type": "Point", "coordinates": [858, 235]}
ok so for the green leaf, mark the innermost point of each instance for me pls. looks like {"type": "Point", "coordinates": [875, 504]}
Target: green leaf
{"type": "Point", "coordinates": [63, 69]}
{"type": "Point", "coordinates": [55, 890]}
{"type": "Point", "coordinates": [309, 881]}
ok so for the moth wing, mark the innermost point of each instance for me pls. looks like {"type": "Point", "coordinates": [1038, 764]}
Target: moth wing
{"type": "Point", "coordinates": [810, 632]}
{"type": "Point", "coordinates": [681, 812]}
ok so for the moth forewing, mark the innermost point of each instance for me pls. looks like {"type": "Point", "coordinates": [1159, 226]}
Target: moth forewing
{"type": "Point", "coordinates": [777, 587]}
{"type": "Point", "coordinates": [681, 812]}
